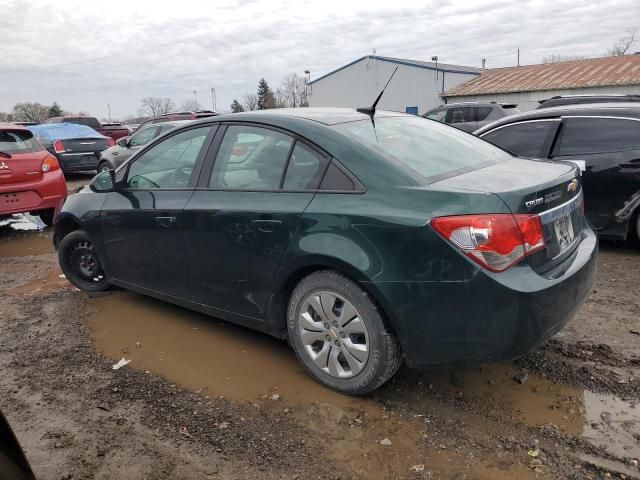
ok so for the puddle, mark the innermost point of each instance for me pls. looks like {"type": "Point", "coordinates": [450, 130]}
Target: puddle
{"type": "Point", "coordinates": [21, 237]}
{"type": "Point", "coordinates": [204, 354]}
{"type": "Point", "coordinates": [612, 424]}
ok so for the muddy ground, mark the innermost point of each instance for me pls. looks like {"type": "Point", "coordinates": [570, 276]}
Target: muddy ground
{"type": "Point", "coordinates": [205, 399]}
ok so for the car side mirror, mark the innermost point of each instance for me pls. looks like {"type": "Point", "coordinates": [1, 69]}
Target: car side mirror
{"type": "Point", "coordinates": [123, 142]}
{"type": "Point", "coordinates": [104, 182]}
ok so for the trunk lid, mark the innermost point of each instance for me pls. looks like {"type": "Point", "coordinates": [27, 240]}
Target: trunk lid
{"type": "Point", "coordinates": [21, 167]}
{"type": "Point", "coordinates": [88, 145]}
{"type": "Point", "coordinates": [552, 190]}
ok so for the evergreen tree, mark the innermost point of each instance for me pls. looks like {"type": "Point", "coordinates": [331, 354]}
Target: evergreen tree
{"type": "Point", "coordinates": [266, 99]}
{"type": "Point", "coordinates": [55, 110]}
{"type": "Point", "coordinates": [236, 106]}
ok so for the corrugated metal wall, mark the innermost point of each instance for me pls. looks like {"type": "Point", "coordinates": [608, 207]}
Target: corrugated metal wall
{"type": "Point", "coordinates": [529, 100]}
{"type": "Point", "coordinates": [359, 84]}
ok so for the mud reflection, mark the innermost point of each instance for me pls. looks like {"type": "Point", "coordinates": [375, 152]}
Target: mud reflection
{"type": "Point", "coordinates": [220, 359]}
{"type": "Point", "coordinates": [19, 237]}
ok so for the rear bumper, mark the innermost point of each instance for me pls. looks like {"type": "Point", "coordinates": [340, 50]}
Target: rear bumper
{"type": "Point", "coordinates": [78, 162]}
{"type": "Point", "coordinates": [48, 192]}
{"type": "Point", "coordinates": [489, 317]}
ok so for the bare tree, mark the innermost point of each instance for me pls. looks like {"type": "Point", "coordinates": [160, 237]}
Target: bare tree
{"type": "Point", "coordinates": [555, 58]}
{"type": "Point", "coordinates": [622, 46]}
{"type": "Point", "coordinates": [30, 112]}
{"type": "Point", "coordinates": [155, 106]}
{"type": "Point", "coordinates": [293, 90]}
{"type": "Point", "coordinates": [191, 105]}
{"type": "Point", "coordinates": [250, 102]}
{"type": "Point", "coordinates": [280, 99]}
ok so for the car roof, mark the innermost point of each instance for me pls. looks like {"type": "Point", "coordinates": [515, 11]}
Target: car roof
{"type": "Point", "coordinates": [12, 126]}
{"type": "Point", "coordinates": [614, 109]}
{"type": "Point", "coordinates": [324, 115]}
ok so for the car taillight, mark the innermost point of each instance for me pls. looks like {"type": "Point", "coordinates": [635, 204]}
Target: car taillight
{"type": "Point", "coordinates": [495, 241]}
{"type": "Point", "coordinates": [58, 146]}
{"type": "Point", "coordinates": [112, 142]}
{"type": "Point", "coordinates": [50, 163]}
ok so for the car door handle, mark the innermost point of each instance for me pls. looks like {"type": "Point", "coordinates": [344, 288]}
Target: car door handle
{"type": "Point", "coordinates": [266, 226]}
{"type": "Point", "coordinates": [166, 222]}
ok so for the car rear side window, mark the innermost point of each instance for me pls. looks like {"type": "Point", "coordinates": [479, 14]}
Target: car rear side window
{"type": "Point", "coordinates": [483, 113]}
{"type": "Point", "coordinates": [88, 121]}
{"type": "Point", "coordinates": [18, 141]}
{"type": "Point", "coordinates": [581, 136]}
{"type": "Point", "coordinates": [250, 158]}
{"type": "Point", "coordinates": [461, 115]}
{"type": "Point", "coordinates": [305, 169]}
{"type": "Point", "coordinates": [431, 150]}
{"type": "Point", "coordinates": [525, 139]}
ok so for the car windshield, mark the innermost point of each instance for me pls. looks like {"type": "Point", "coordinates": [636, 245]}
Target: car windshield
{"type": "Point", "coordinates": [433, 150]}
{"type": "Point", "coordinates": [18, 141]}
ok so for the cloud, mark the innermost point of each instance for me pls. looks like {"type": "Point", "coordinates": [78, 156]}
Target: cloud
{"type": "Point", "coordinates": [84, 55]}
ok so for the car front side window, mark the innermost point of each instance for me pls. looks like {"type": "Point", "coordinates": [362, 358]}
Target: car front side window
{"type": "Point", "coordinates": [168, 164]}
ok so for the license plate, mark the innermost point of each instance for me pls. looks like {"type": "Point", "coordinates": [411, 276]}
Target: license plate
{"type": "Point", "coordinates": [563, 228]}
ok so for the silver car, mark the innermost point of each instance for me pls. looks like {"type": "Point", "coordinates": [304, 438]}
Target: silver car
{"type": "Point", "coordinates": [113, 157]}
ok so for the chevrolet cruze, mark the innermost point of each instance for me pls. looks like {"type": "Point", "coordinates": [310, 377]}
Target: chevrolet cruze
{"type": "Point", "coordinates": [365, 239]}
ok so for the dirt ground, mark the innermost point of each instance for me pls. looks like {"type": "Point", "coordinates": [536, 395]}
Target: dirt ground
{"type": "Point", "coordinates": [205, 399]}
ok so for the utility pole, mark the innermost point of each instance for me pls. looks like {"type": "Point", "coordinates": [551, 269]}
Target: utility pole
{"type": "Point", "coordinates": [195, 100]}
{"type": "Point", "coordinates": [213, 99]}
{"type": "Point", "coordinates": [518, 56]}
{"type": "Point", "coordinates": [109, 110]}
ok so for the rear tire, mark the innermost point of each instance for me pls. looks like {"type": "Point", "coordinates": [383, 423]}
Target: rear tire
{"type": "Point", "coordinates": [80, 263]}
{"type": "Point", "coordinates": [338, 334]}
{"type": "Point", "coordinates": [47, 216]}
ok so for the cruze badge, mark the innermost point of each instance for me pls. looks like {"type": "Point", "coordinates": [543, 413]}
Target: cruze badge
{"type": "Point", "coordinates": [534, 202]}
{"type": "Point", "coordinates": [4, 166]}
{"type": "Point", "coordinates": [573, 186]}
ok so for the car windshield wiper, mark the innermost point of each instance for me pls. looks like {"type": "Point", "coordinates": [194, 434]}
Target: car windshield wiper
{"type": "Point", "coordinates": [5, 154]}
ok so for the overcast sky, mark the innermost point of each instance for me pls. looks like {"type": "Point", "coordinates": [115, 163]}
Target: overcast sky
{"type": "Point", "coordinates": [85, 54]}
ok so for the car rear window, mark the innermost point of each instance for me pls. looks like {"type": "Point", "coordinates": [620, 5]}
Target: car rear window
{"type": "Point", "coordinates": [88, 121]}
{"type": "Point", "coordinates": [433, 150]}
{"type": "Point", "coordinates": [18, 141]}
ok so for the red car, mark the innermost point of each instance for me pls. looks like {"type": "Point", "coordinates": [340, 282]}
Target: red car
{"type": "Point", "coordinates": [30, 177]}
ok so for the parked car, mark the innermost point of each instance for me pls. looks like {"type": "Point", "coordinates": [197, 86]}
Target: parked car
{"type": "Point", "coordinates": [604, 139]}
{"type": "Point", "coordinates": [365, 243]}
{"type": "Point", "coordinates": [561, 100]}
{"type": "Point", "coordinates": [25, 124]}
{"type": "Point", "coordinates": [30, 177]}
{"type": "Point", "coordinates": [111, 130]}
{"type": "Point", "coordinates": [114, 156]}
{"type": "Point", "coordinates": [174, 116]}
{"type": "Point", "coordinates": [77, 147]}
{"type": "Point", "coordinates": [469, 116]}
{"type": "Point", "coordinates": [13, 463]}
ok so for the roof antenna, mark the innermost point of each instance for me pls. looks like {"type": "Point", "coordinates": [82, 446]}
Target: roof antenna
{"type": "Point", "coordinates": [371, 111]}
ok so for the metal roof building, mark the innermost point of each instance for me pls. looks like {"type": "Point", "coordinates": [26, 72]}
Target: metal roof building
{"type": "Point", "coordinates": [528, 84]}
{"type": "Point", "coordinates": [415, 88]}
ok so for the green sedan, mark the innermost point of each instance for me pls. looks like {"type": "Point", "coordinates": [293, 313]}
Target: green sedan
{"type": "Point", "coordinates": [367, 240]}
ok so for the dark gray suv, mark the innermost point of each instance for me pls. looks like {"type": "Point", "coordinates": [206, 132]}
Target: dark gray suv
{"type": "Point", "coordinates": [470, 116]}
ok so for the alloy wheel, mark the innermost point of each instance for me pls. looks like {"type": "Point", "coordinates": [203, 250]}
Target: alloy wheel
{"type": "Point", "coordinates": [333, 334]}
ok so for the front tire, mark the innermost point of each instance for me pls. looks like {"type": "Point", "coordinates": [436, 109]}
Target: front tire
{"type": "Point", "coordinates": [80, 263]}
{"type": "Point", "coordinates": [338, 334]}
{"type": "Point", "coordinates": [104, 166]}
